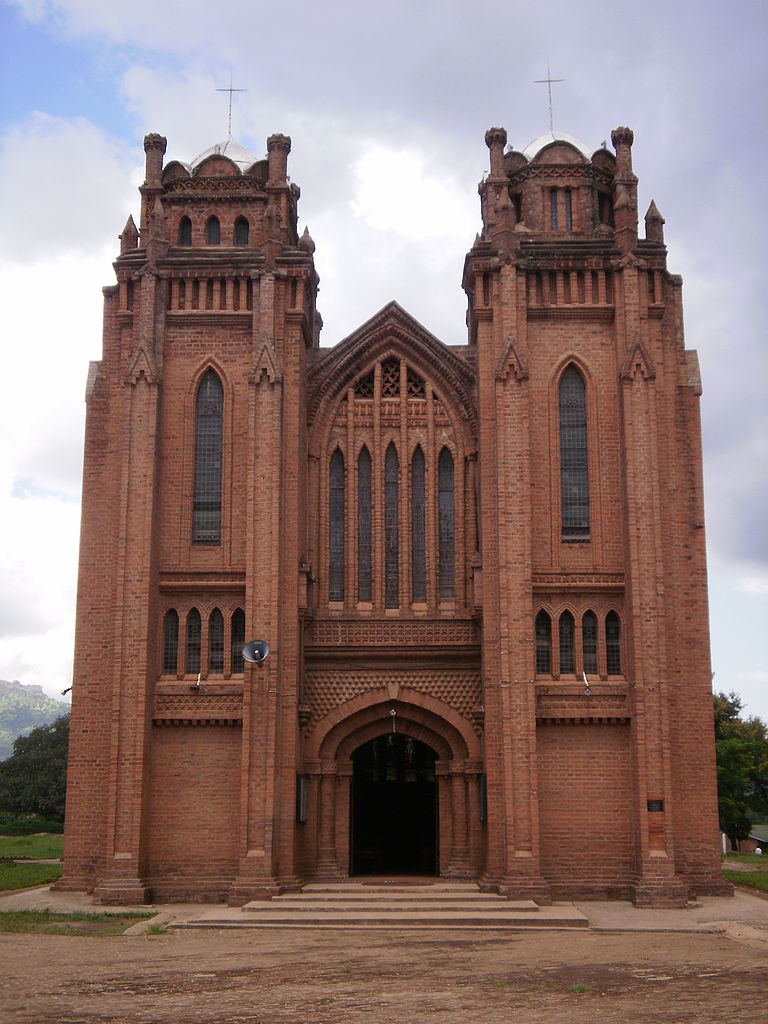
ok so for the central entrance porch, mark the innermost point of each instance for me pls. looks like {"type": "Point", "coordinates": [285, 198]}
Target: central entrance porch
{"type": "Point", "coordinates": [394, 819]}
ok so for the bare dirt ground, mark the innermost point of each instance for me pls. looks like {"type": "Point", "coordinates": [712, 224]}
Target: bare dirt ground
{"type": "Point", "coordinates": [287, 976]}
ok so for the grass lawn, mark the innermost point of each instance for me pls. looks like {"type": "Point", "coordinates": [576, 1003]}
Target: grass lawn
{"type": "Point", "coordinates": [43, 846]}
{"type": "Point", "coordinates": [753, 879]}
{"type": "Point", "coordinates": [22, 876]}
{"type": "Point", "coordinates": [50, 923]}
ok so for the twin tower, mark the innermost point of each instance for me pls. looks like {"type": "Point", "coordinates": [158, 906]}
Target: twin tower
{"type": "Point", "coordinates": [480, 569]}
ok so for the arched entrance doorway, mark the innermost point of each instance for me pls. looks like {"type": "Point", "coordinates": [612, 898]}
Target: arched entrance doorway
{"type": "Point", "coordinates": [394, 813]}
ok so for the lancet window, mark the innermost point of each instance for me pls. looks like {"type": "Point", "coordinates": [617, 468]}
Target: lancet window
{"type": "Point", "coordinates": [418, 528]}
{"type": "Point", "coordinates": [567, 653]}
{"type": "Point", "coordinates": [574, 470]}
{"type": "Point", "coordinates": [543, 630]}
{"type": "Point", "coordinates": [171, 642]}
{"type": "Point", "coordinates": [206, 526]}
{"type": "Point", "coordinates": [216, 642]}
{"type": "Point", "coordinates": [364, 552]}
{"type": "Point", "coordinates": [238, 640]}
{"type": "Point", "coordinates": [589, 641]}
{"type": "Point", "coordinates": [445, 522]}
{"type": "Point", "coordinates": [391, 538]}
{"type": "Point", "coordinates": [613, 644]}
{"type": "Point", "coordinates": [194, 628]}
{"type": "Point", "coordinates": [336, 532]}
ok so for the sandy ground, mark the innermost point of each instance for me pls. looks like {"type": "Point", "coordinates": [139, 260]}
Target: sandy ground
{"type": "Point", "coordinates": [292, 976]}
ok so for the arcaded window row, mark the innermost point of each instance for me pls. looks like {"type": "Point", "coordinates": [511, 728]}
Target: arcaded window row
{"type": "Point", "coordinates": [391, 518]}
{"type": "Point", "coordinates": [240, 231]}
{"type": "Point", "coordinates": [195, 640]}
{"type": "Point", "coordinates": [570, 658]}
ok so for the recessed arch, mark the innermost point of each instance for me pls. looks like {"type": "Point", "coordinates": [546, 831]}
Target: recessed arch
{"type": "Point", "coordinates": [458, 739]}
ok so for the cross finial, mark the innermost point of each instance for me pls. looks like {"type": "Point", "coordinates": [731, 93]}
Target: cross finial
{"type": "Point", "coordinates": [548, 80]}
{"type": "Point", "coordinates": [230, 90]}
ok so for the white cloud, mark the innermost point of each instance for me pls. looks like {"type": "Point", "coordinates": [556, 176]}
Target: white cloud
{"type": "Point", "coordinates": [757, 585]}
{"type": "Point", "coordinates": [63, 187]}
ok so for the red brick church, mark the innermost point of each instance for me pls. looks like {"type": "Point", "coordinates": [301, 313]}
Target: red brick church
{"type": "Point", "coordinates": [480, 569]}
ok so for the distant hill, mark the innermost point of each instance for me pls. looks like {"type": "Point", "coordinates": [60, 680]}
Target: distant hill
{"type": "Point", "coordinates": [21, 709]}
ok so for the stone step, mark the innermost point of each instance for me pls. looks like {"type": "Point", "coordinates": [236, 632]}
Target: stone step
{"type": "Point", "coordinates": [378, 906]}
{"type": "Point", "coordinates": [556, 916]}
{"type": "Point", "coordinates": [415, 886]}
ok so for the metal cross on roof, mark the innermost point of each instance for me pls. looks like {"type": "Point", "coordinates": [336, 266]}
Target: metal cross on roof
{"type": "Point", "coordinates": [230, 90]}
{"type": "Point", "coordinates": [548, 80]}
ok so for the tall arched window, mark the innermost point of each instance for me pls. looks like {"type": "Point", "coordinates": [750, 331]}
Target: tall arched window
{"type": "Point", "coordinates": [213, 231]}
{"type": "Point", "coordinates": [216, 642]}
{"type": "Point", "coordinates": [238, 640]}
{"type": "Point", "coordinates": [589, 641]}
{"type": "Point", "coordinates": [445, 522]}
{"type": "Point", "coordinates": [336, 528]}
{"type": "Point", "coordinates": [171, 642]}
{"type": "Point", "coordinates": [391, 542]}
{"type": "Point", "coordinates": [574, 476]}
{"type": "Point", "coordinates": [567, 662]}
{"type": "Point", "coordinates": [206, 526]}
{"type": "Point", "coordinates": [241, 231]}
{"type": "Point", "coordinates": [185, 231]}
{"type": "Point", "coordinates": [543, 644]}
{"type": "Point", "coordinates": [364, 588]}
{"type": "Point", "coordinates": [192, 660]}
{"type": "Point", "coordinates": [418, 530]}
{"type": "Point", "coordinates": [613, 644]}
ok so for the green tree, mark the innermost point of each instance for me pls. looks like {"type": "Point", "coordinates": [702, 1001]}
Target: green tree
{"type": "Point", "coordinates": [742, 767]}
{"type": "Point", "coordinates": [33, 780]}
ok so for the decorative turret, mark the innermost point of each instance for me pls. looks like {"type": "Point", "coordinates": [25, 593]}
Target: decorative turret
{"type": "Point", "coordinates": [496, 140]}
{"type": "Point", "coordinates": [625, 201]}
{"type": "Point", "coordinates": [129, 237]}
{"type": "Point", "coordinates": [306, 242]}
{"type": "Point", "coordinates": [654, 224]}
{"type": "Point", "coordinates": [278, 148]}
{"type": "Point", "coordinates": [154, 147]}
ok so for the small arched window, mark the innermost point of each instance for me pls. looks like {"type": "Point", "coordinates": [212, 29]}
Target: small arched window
{"type": "Point", "coordinates": [241, 231]}
{"type": "Point", "coordinates": [364, 586]}
{"type": "Point", "coordinates": [567, 662]}
{"type": "Point", "coordinates": [213, 231]}
{"type": "Point", "coordinates": [206, 527]}
{"type": "Point", "coordinates": [238, 640]}
{"type": "Point", "coordinates": [185, 231]}
{"type": "Point", "coordinates": [171, 642]}
{"type": "Point", "coordinates": [192, 660]}
{"type": "Point", "coordinates": [216, 642]}
{"type": "Point", "coordinates": [589, 641]}
{"type": "Point", "coordinates": [446, 523]}
{"type": "Point", "coordinates": [613, 644]}
{"type": "Point", "coordinates": [574, 474]}
{"type": "Point", "coordinates": [418, 528]}
{"type": "Point", "coordinates": [336, 528]}
{"type": "Point", "coordinates": [543, 644]}
{"type": "Point", "coordinates": [391, 540]}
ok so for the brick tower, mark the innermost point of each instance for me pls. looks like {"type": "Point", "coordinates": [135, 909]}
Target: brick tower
{"type": "Point", "coordinates": [480, 569]}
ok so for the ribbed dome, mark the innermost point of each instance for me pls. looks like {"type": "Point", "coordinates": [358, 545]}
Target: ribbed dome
{"type": "Point", "coordinates": [231, 149]}
{"type": "Point", "coordinates": [548, 138]}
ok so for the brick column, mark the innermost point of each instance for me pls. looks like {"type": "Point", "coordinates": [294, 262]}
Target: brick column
{"type": "Point", "coordinates": [327, 865]}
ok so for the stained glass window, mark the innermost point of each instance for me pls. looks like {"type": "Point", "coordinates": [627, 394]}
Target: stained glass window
{"type": "Point", "coordinates": [238, 640]}
{"type": "Point", "coordinates": [216, 642]}
{"type": "Point", "coordinates": [589, 641]}
{"type": "Point", "coordinates": [543, 644]}
{"type": "Point", "coordinates": [574, 475]}
{"type": "Point", "coordinates": [445, 523]}
{"type": "Point", "coordinates": [391, 582]}
{"type": "Point", "coordinates": [192, 663]}
{"type": "Point", "coordinates": [567, 663]}
{"type": "Point", "coordinates": [336, 524]}
{"type": "Point", "coordinates": [206, 528]}
{"type": "Point", "coordinates": [418, 531]}
{"type": "Point", "coordinates": [171, 642]}
{"type": "Point", "coordinates": [364, 525]}
{"type": "Point", "coordinates": [613, 644]}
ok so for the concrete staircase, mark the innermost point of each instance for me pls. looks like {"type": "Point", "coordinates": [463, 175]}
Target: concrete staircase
{"type": "Point", "coordinates": [397, 904]}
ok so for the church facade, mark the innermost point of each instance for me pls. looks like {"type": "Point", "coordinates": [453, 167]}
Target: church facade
{"type": "Point", "coordinates": [480, 569]}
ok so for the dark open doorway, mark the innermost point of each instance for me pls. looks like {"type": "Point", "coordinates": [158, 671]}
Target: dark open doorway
{"type": "Point", "coordinates": [394, 808]}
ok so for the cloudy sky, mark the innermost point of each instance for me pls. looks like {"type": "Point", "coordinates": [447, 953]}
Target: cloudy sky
{"type": "Point", "coordinates": [387, 107]}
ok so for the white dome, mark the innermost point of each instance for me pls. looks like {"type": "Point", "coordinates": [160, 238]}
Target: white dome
{"type": "Point", "coordinates": [548, 138]}
{"type": "Point", "coordinates": [231, 149]}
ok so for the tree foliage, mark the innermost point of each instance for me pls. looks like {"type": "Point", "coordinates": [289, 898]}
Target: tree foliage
{"type": "Point", "coordinates": [33, 780]}
{"type": "Point", "coordinates": [742, 767]}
